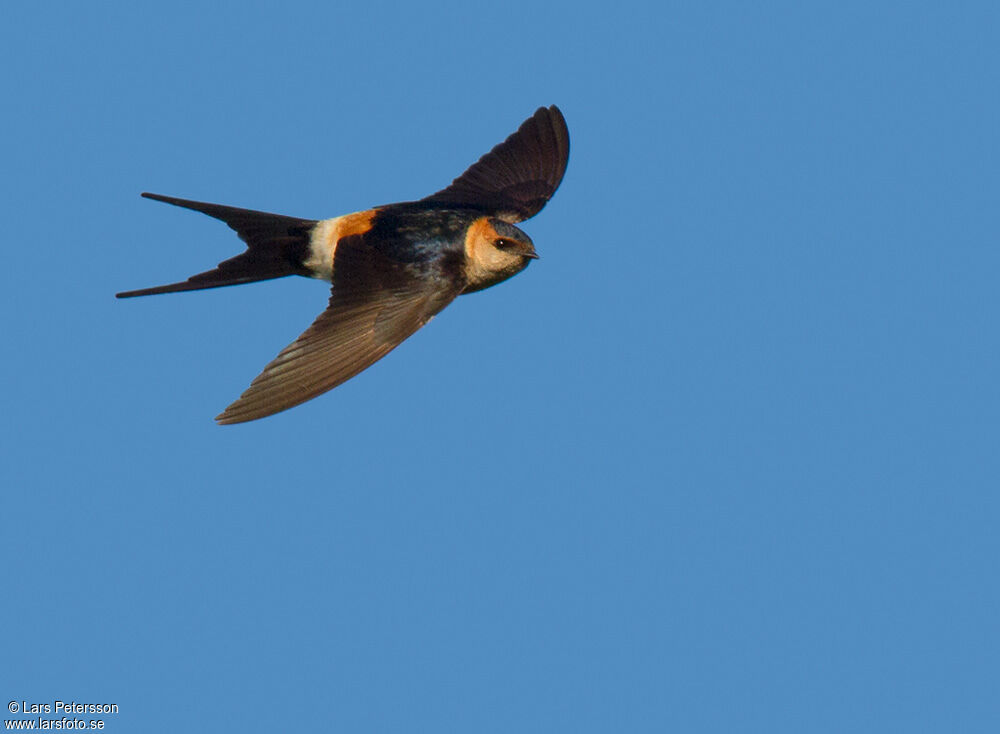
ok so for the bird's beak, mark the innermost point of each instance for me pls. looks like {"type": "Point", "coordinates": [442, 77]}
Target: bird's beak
{"type": "Point", "coordinates": [529, 252]}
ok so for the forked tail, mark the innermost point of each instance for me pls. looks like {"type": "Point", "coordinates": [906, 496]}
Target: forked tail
{"type": "Point", "coordinates": [276, 246]}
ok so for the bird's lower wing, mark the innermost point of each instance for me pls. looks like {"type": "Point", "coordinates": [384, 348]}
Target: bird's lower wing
{"type": "Point", "coordinates": [375, 305]}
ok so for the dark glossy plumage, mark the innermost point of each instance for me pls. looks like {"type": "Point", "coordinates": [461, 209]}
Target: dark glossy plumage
{"type": "Point", "coordinates": [377, 302]}
{"type": "Point", "coordinates": [276, 246]}
{"type": "Point", "coordinates": [515, 179]}
{"type": "Point", "coordinates": [392, 268]}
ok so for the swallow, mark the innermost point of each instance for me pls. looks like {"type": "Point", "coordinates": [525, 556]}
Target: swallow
{"type": "Point", "coordinates": [392, 268]}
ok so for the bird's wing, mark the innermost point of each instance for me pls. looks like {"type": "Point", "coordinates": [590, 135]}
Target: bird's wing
{"type": "Point", "coordinates": [515, 179]}
{"type": "Point", "coordinates": [377, 302]}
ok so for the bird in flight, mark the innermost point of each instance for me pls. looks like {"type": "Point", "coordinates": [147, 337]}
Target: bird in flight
{"type": "Point", "coordinates": [392, 268]}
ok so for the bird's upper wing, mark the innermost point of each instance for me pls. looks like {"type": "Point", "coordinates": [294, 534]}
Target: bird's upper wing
{"type": "Point", "coordinates": [377, 302]}
{"type": "Point", "coordinates": [515, 179]}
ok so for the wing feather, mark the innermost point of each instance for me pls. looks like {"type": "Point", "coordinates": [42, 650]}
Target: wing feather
{"type": "Point", "coordinates": [376, 304]}
{"type": "Point", "coordinates": [515, 179]}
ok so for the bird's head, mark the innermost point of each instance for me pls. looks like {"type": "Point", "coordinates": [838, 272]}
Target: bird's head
{"type": "Point", "coordinates": [494, 251]}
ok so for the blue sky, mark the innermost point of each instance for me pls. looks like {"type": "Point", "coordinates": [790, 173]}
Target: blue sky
{"type": "Point", "coordinates": [723, 459]}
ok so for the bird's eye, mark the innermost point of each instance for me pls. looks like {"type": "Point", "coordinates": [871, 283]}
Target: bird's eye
{"type": "Point", "coordinates": [502, 244]}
